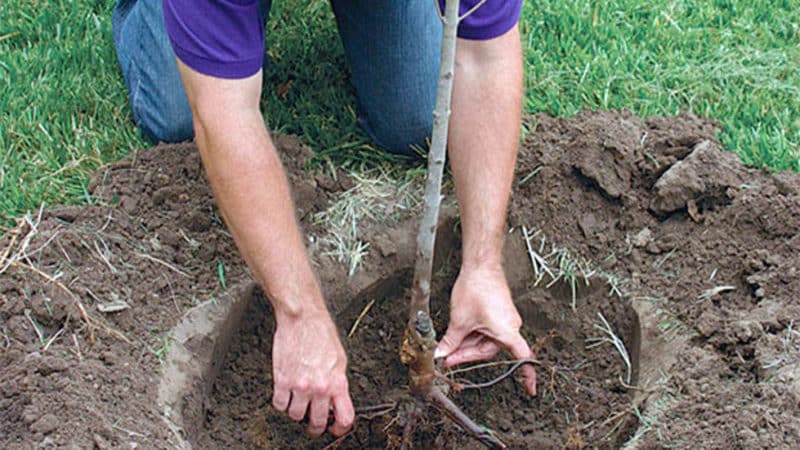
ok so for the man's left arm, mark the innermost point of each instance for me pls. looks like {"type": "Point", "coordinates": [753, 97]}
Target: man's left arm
{"type": "Point", "coordinates": [483, 142]}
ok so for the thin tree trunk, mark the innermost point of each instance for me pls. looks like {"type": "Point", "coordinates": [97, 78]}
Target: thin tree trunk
{"type": "Point", "coordinates": [419, 340]}
{"type": "Point", "coordinates": [421, 287]}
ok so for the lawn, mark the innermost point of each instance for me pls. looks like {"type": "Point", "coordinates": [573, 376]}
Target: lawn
{"type": "Point", "coordinates": [64, 106]}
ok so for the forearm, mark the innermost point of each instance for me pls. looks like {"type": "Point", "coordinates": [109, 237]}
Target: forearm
{"type": "Point", "coordinates": [254, 198]}
{"type": "Point", "coordinates": [484, 137]}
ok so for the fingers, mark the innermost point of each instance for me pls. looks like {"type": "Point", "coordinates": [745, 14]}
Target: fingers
{"type": "Point", "coordinates": [298, 401]}
{"type": "Point", "coordinates": [518, 347]}
{"type": "Point", "coordinates": [318, 416]}
{"type": "Point", "coordinates": [344, 413]}
{"type": "Point", "coordinates": [280, 399]}
{"type": "Point", "coordinates": [479, 350]}
{"type": "Point", "coordinates": [299, 405]}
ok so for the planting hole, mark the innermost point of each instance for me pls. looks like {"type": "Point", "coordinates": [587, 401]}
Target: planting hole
{"type": "Point", "coordinates": [582, 395]}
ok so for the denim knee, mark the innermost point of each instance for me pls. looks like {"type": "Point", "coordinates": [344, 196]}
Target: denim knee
{"type": "Point", "coordinates": [157, 97]}
{"type": "Point", "coordinates": [164, 124]}
{"type": "Point", "coordinates": [405, 134]}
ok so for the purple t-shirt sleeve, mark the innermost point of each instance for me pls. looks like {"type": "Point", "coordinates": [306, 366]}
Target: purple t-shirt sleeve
{"type": "Point", "coordinates": [225, 38]}
{"type": "Point", "coordinates": [222, 38]}
{"type": "Point", "coordinates": [492, 19]}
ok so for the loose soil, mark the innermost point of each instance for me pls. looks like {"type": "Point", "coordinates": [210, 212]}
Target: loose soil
{"type": "Point", "coordinates": [692, 258]}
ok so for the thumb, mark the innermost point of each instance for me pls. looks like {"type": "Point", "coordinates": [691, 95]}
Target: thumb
{"type": "Point", "coordinates": [450, 341]}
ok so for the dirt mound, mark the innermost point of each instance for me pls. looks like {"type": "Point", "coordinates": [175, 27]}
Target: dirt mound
{"type": "Point", "coordinates": [624, 213]}
{"type": "Point", "coordinates": [150, 247]}
{"type": "Point", "coordinates": [711, 246]}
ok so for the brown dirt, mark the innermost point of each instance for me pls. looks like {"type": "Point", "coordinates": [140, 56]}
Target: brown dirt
{"type": "Point", "coordinates": [577, 386]}
{"type": "Point", "coordinates": [153, 240]}
{"type": "Point", "coordinates": [646, 202]}
{"type": "Point", "coordinates": [649, 201]}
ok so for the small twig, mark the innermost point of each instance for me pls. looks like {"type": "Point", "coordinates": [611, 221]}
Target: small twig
{"type": "Point", "coordinates": [52, 339]}
{"type": "Point", "coordinates": [786, 343]}
{"type": "Point", "coordinates": [9, 258]}
{"type": "Point", "coordinates": [172, 293]}
{"type": "Point", "coordinates": [103, 256]}
{"type": "Point", "coordinates": [530, 175]}
{"type": "Point", "coordinates": [713, 292]}
{"type": "Point", "coordinates": [360, 316]}
{"type": "Point", "coordinates": [64, 252]}
{"type": "Point", "coordinates": [77, 347]}
{"type": "Point", "coordinates": [9, 35]}
{"type": "Point", "coordinates": [439, 9]}
{"type": "Point", "coordinates": [660, 262]}
{"type": "Point", "coordinates": [14, 235]}
{"type": "Point", "coordinates": [108, 219]}
{"type": "Point", "coordinates": [43, 246]}
{"type": "Point", "coordinates": [90, 323]}
{"type": "Point", "coordinates": [391, 423]}
{"type": "Point", "coordinates": [163, 263]}
{"type": "Point", "coordinates": [69, 293]}
{"type": "Point", "coordinates": [35, 326]}
{"type": "Point", "coordinates": [474, 8]}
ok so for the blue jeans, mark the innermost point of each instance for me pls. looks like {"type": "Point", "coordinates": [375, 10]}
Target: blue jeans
{"type": "Point", "coordinates": [392, 48]}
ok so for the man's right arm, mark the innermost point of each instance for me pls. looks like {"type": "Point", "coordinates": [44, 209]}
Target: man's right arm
{"type": "Point", "coordinates": [254, 198]}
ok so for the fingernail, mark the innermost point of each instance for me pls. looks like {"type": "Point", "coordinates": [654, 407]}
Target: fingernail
{"type": "Point", "coordinates": [438, 353]}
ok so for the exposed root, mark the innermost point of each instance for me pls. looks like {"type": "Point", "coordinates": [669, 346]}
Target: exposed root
{"type": "Point", "coordinates": [506, 374]}
{"type": "Point", "coordinates": [338, 441]}
{"type": "Point", "coordinates": [410, 426]}
{"type": "Point", "coordinates": [371, 412]}
{"type": "Point", "coordinates": [484, 435]}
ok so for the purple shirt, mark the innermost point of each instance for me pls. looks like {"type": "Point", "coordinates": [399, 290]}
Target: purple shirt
{"type": "Point", "coordinates": [225, 38]}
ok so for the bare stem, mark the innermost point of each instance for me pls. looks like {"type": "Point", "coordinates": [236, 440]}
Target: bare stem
{"type": "Point", "coordinates": [419, 340]}
{"type": "Point", "coordinates": [421, 287]}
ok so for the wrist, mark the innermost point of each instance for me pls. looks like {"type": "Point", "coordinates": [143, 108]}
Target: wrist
{"type": "Point", "coordinates": [483, 245]}
{"type": "Point", "coordinates": [296, 299]}
{"type": "Point", "coordinates": [299, 311]}
{"type": "Point", "coordinates": [482, 261]}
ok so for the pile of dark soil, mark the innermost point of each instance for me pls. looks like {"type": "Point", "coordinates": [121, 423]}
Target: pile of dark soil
{"type": "Point", "coordinates": [150, 247]}
{"type": "Point", "coordinates": [710, 248]}
{"type": "Point", "coordinates": [706, 252]}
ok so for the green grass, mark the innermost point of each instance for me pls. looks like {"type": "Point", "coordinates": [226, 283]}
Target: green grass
{"type": "Point", "coordinates": [64, 108]}
{"type": "Point", "coordinates": [736, 61]}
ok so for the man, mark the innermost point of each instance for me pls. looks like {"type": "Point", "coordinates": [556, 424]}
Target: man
{"type": "Point", "coordinates": [211, 91]}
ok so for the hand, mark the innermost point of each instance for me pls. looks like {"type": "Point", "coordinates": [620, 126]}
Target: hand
{"type": "Point", "coordinates": [308, 366]}
{"type": "Point", "coordinates": [484, 320]}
